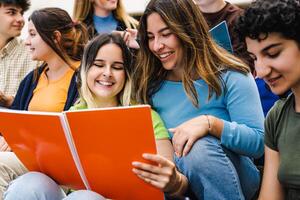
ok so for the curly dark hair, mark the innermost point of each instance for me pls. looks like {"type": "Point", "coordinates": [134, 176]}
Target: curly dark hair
{"type": "Point", "coordinates": [267, 16]}
{"type": "Point", "coordinates": [23, 4]}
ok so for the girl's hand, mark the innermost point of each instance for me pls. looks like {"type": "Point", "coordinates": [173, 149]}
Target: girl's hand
{"type": "Point", "coordinates": [186, 134]}
{"type": "Point", "coordinates": [129, 36]}
{"type": "Point", "coordinates": [5, 100]}
{"type": "Point", "coordinates": [163, 176]}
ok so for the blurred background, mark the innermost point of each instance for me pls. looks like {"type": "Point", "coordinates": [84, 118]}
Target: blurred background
{"type": "Point", "coordinates": [134, 7]}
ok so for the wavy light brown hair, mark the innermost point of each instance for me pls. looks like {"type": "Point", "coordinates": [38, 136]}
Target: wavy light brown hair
{"type": "Point", "coordinates": [201, 56]}
{"type": "Point", "coordinates": [83, 11]}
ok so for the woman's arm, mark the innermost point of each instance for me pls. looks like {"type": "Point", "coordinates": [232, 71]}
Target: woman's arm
{"type": "Point", "coordinates": [242, 133]}
{"type": "Point", "coordinates": [165, 148]}
{"type": "Point", "coordinates": [271, 188]}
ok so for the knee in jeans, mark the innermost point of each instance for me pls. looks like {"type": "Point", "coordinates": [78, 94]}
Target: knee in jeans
{"type": "Point", "coordinates": [203, 154]}
{"type": "Point", "coordinates": [32, 181]}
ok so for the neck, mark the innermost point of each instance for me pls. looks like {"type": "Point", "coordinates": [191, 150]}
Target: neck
{"type": "Point", "coordinates": [296, 92]}
{"type": "Point", "coordinates": [4, 41]}
{"type": "Point", "coordinates": [175, 74]}
{"type": "Point", "coordinates": [211, 6]}
{"type": "Point", "coordinates": [101, 12]}
{"type": "Point", "coordinates": [57, 68]}
{"type": "Point", "coordinates": [101, 103]}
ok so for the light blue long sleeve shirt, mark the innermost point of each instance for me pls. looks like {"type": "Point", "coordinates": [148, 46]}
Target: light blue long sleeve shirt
{"type": "Point", "coordinates": [239, 107]}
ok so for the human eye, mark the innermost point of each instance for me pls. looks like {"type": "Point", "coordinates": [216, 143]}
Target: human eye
{"type": "Point", "coordinates": [11, 12]}
{"type": "Point", "coordinates": [150, 37]}
{"type": "Point", "coordinates": [98, 64]}
{"type": "Point", "coordinates": [118, 66]}
{"type": "Point", "coordinates": [273, 53]}
{"type": "Point", "coordinates": [32, 34]}
{"type": "Point", "coordinates": [166, 34]}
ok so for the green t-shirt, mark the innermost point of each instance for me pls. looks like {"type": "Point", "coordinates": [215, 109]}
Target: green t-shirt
{"type": "Point", "coordinates": [282, 134]}
{"type": "Point", "coordinates": [160, 131]}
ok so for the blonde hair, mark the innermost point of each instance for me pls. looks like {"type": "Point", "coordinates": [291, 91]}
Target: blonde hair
{"type": "Point", "coordinates": [83, 11]}
{"type": "Point", "coordinates": [201, 56]}
{"type": "Point", "coordinates": [122, 15]}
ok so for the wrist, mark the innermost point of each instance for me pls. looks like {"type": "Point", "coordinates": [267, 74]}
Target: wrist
{"type": "Point", "coordinates": [180, 186]}
{"type": "Point", "coordinates": [209, 125]}
{"type": "Point", "coordinates": [216, 126]}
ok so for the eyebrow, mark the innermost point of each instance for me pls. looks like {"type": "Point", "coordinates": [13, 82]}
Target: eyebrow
{"type": "Point", "coordinates": [11, 8]}
{"type": "Point", "coordinates": [161, 30]}
{"type": "Point", "coordinates": [116, 62]}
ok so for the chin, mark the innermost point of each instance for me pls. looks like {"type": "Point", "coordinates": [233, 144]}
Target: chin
{"type": "Point", "coordinates": [168, 67]}
{"type": "Point", "coordinates": [279, 91]}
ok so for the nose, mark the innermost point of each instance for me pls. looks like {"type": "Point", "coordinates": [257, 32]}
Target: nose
{"type": "Point", "coordinates": [20, 18]}
{"type": "Point", "coordinates": [107, 71]}
{"type": "Point", "coordinates": [158, 45]}
{"type": "Point", "coordinates": [27, 41]}
{"type": "Point", "coordinates": [262, 68]}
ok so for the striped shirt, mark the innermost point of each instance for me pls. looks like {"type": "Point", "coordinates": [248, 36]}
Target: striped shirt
{"type": "Point", "coordinates": [15, 63]}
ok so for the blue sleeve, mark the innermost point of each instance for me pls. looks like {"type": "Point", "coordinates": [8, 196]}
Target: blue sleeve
{"type": "Point", "coordinates": [245, 133]}
{"type": "Point", "coordinates": [17, 105]}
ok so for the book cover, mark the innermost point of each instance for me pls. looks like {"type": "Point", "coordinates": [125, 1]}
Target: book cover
{"type": "Point", "coordinates": [85, 149]}
{"type": "Point", "coordinates": [220, 34]}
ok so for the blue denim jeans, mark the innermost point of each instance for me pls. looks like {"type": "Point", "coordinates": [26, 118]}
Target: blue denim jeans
{"type": "Point", "coordinates": [216, 173]}
{"type": "Point", "coordinates": [38, 186]}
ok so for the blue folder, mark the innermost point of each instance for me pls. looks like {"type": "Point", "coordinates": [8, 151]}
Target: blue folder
{"type": "Point", "coordinates": [221, 35]}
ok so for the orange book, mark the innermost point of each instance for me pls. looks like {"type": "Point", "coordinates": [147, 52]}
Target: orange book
{"type": "Point", "coordinates": [85, 149]}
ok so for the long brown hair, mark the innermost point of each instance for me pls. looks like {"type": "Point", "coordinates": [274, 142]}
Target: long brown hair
{"type": "Point", "coordinates": [73, 36]}
{"type": "Point", "coordinates": [201, 56]}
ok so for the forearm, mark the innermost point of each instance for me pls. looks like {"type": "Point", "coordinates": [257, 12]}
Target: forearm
{"type": "Point", "coordinates": [237, 137]}
{"type": "Point", "coordinates": [243, 139]}
{"type": "Point", "coordinates": [165, 148]}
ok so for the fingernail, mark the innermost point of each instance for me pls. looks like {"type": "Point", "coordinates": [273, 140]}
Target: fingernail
{"type": "Point", "coordinates": [145, 155]}
{"type": "Point", "coordinates": [134, 163]}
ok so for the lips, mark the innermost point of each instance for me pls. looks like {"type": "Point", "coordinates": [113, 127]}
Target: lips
{"type": "Point", "coordinates": [105, 83]}
{"type": "Point", "coordinates": [165, 56]}
{"type": "Point", "coordinates": [272, 81]}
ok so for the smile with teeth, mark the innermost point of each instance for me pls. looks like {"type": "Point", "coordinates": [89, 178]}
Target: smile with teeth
{"type": "Point", "coordinates": [165, 55]}
{"type": "Point", "coordinates": [105, 83]}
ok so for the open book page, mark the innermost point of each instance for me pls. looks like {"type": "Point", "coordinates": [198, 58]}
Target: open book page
{"type": "Point", "coordinates": [107, 141]}
{"type": "Point", "coordinates": [220, 34]}
{"type": "Point", "coordinates": [38, 140]}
